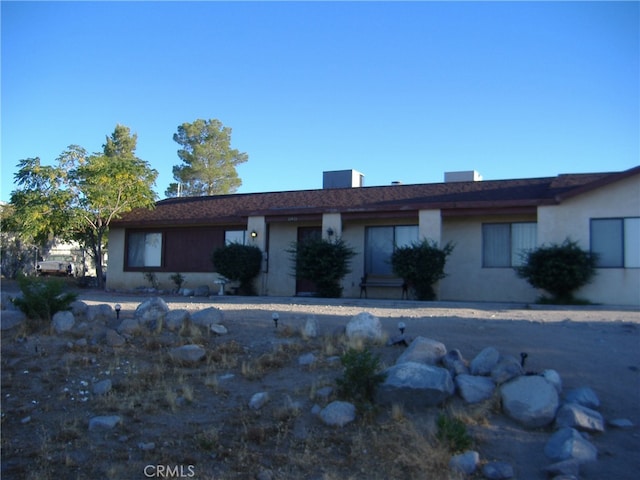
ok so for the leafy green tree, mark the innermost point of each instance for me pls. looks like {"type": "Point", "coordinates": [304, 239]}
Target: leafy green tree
{"type": "Point", "coordinates": [239, 262]}
{"type": "Point", "coordinates": [79, 197]}
{"type": "Point", "coordinates": [421, 265]}
{"type": "Point", "coordinates": [209, 162]}
{"type": "Point", "coordinates": [324, 262]}
{"type": "Point", "coordinates": [559, 269]}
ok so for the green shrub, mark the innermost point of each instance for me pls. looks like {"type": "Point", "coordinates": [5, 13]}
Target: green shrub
{"type": "Point", "coordinates": [178, 279]}
{"type": "Point", "coordinates": [421, 265]}
{"type": "Point", "coordinates": [559, 269]}
{"type": "Point", "coordinates": [42, 299]}
{"type": "Point", "coordinates": [238, 262]}
{"type": "Point", "coordinates": [361, 377]}
{"type": "Point", "coordinates": [453, 434]}
{"type": "Point", "coordinates": [324, 262]}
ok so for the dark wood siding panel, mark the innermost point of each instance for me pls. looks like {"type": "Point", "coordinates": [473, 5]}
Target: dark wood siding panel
{"type": "Point", "coordinates": [190, 249]}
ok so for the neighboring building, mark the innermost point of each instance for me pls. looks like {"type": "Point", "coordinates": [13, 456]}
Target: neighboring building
{"type": "Point", "coordinates": [490, 223]}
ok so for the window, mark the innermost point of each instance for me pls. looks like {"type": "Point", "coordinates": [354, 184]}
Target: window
{"type": "Point", "coordinates": [616, 241]}
{"type": "Point", "coordinates": [235, 236]}
{"type": "Point", "coordinates": [144, 249]}
{"type": "Point", "coordinates": [504, 244]}
{"type": "Point", "coordinates": [380, 244]}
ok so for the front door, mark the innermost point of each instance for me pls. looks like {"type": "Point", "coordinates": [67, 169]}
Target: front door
{"type": "Point", "coordinates": [306, 287]}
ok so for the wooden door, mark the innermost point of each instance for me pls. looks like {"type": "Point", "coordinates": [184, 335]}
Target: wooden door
{"type": "Point", "coordinates": [306, 287]}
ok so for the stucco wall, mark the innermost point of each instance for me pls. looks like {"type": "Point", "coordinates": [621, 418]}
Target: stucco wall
{"type": "Point", "coordinates": [613, 286]}
{"type": "Point", "coordinates": [466, 279]}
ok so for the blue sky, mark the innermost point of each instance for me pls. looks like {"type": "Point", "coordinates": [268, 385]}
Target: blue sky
{"type": "Point", "coordinates": [397, 90]}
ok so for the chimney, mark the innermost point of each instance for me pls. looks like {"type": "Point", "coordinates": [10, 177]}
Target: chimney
{"type": "Point", "coordinates": [342, 179]}
{"type": "Point", "coordinates": [463, 176]}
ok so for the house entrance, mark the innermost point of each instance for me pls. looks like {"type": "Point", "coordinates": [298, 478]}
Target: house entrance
{"type": "Point", "coordinates": [306, 287]}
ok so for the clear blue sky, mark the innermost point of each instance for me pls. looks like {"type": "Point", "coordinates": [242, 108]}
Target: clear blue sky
{"type": "Point", "coordinates": [398, 91]}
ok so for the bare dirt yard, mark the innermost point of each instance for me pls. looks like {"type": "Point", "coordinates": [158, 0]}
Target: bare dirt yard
{"type": "Point", "coordinates": [194, 421]}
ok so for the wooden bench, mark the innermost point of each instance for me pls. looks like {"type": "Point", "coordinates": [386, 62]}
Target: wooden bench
{"type": "Point", "coordinates": [383, 282]}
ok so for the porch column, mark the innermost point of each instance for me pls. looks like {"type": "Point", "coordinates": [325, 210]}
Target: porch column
{"type": "Point", "coordinates": [430, 225]}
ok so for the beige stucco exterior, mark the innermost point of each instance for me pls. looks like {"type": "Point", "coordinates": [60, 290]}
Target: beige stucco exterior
{"type": "Point", "coordinates": [466, 279]}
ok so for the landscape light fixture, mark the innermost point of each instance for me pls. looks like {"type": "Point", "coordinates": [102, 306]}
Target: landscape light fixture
{"type": "Point", "coordinates": [275, 318]}
{"type": "Point", "coordinates": [254, 234]}
{"type": "Point", "coordinates": [118, 308]}
{"type": "Point", "coordinates": [401, 327]}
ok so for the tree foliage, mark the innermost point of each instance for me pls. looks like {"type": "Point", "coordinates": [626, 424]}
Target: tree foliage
{"type": "Point", "coordinates": [208, 161]}
{"type": "Point", "coordinates": [239, 262]}
{"type": "Point", "coordinates": [559, 269]}
{"type": "Point", "coordinates": [324, 262]}
{"type": "Point", "coordinates": [421, 265]}
{"type": "Point", "coordinates": [78, 198]}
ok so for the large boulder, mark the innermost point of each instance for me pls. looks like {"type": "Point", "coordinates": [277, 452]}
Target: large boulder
{"type": "Point", "coordinates": [364, 326]}
{"type": "Point", "coordinates": [176, 318]}
{"type": "Point", "coordinates": [207, 317]}
{"type": "Point", "coordinates": [455, 363]}
{"type": "Point", "coordinates": [474, 389]}
{"type": "Point", "coordinates": [584, 396]}
{"type": "Point", "coordinates": [415, 385]}
{"type": "Point", "coordinates": [79, 310]}
{"type": "Point", "coordinates": [508, 367]}
{"type": "Point", "coordinates": [423, 350]}
{"type": "Point", "coordinates": [567, 443]}
{"type": "Point", "coordinates": [485, 361]}
{"type": "Point", "coordinates": [580, 417]}
{"type": "Point", "coordinates": [530, 400]}
{"type": "Point", "coordinates": [63, 321]}
{"type": "Point", "coordinates": [152, 311]}
{"type": "Point", "coordinates": [187, 354]}
{"type": "Point", "coordinates": [338, 413]}
{"type": "Point", "coordinates": [100, 313]}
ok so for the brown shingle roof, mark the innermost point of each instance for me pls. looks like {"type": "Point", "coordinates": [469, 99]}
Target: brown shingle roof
{"type": "Point", "coordinates": [230, 209]}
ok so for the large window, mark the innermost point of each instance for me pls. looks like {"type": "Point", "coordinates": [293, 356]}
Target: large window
{"type": "Point", "coordinates": [616, 241]}
{"type": "Point", "coordinates": [505, 244]}
{"type": "Point", "coordinates": [235, 236]}
{"type": "Point", "coordinates": [380, 244]}
{"type": "Point", "coordinates": [144, 249]}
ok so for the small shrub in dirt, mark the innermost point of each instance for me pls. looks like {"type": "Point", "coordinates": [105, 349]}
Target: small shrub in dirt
{"type": "Point", "coordinates": [42, 299]}
{"type": "Point", "coordinates": [452, 432]}
{"type": "Point", "coordinates": [361, 377]}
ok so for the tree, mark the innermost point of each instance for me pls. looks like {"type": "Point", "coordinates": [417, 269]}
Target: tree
{"type": "Point", "coordinates": [79, 198]}
{"type": "Point", "coordinates": [559, 269]}
{"type": "Point", "coordinates": [421, 265]}
{"type": "Point", "coordinates": [209, 162]}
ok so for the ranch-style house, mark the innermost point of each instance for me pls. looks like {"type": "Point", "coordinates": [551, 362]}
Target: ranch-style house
{"type": "Point", "coordinates": [489, 222]}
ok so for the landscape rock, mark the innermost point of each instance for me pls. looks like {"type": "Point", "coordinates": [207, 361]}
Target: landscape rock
{"type": "Point", "coordinates": [530, 400]}
{"type": "Point", "coordinates": [584, 396]}
{"type": "Point", "coordinates": [152, 310]}
{"type": "Point", "coordinates": [621, 423]}
{"type": "Point", "coordinates": [207, 317]}
{"type": "Point", "coordinates": [63, 321]}
{"type": "Point", "coordinates": [579, 417]}
{"type": "Point", "coordinates": [306, 359]}
{"type": "Point", "coordinates": [364, 326]}
{"type": "Point", "coordinates": [553, 378]}
{"type": "Point", "coordinates": [466, 462]}
{"type": "Point", "coordinates": [474, 389]}
{"type": "Point", "coordinates": [175, 319]}
{"type": "Point", "coordinates": [188, 353]}
{"type": "Point", "coordinates": [219, 329]}
{"type": "Point", "coordinates": [130, 326]}
{"type": "Point", "coordinates": [455, 363]}
{"type": "Point", "coordinates": [79, 310]}
{"type": "Point", "coordinates": [497, 470]}
{"type": "Point", "coordinates": [338, 413]}
{"type": "Point", "coordinates": [324, 393]}
{"type": "Point", "coordinates": [100, 313]}
{"type": "Point", "coordinates": [567, 443]}
{"type": "Point", "coordinates": [258, 400]}
{"type": "Point", "coordinates": [310, 328]}
{"type": "Point", "coordinates": [11, 318]}
{"type": "Point", "coordinates": [423, 350]}
{"type": "Point", "coordinates": [415, 385]}
{"type": "Point", "coordinates": [113, 339]}
{"type": "Point", "coordinates": [508, 367]}
{"type": "Point", "coordinates": [564, 467]}
{"type": "Point", "coordinates": [105, 422]}
{"type": "Point", "coordinates": [484, 362]}
{"type": "Point", "coordinates": [102, 387]}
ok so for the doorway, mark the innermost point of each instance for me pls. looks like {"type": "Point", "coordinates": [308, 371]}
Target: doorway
{"type": "Point", "coordinates": [305, 287]}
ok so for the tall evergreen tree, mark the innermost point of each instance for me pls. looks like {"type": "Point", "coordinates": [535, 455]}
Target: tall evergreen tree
{"type": "Point", "coordinates": [208, 161]}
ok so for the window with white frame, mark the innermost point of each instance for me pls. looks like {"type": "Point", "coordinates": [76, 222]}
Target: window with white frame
{"type": "Point", "coordinates": [616, 241]}
{"type": "Point", "coordinates": [380, 243]}
{"type": "Point", "coordinates": [504, 245]}
{"type": "Point", "coordinates": [144, 249]}
{"type": "Point", "coordinates": [235, 236]}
